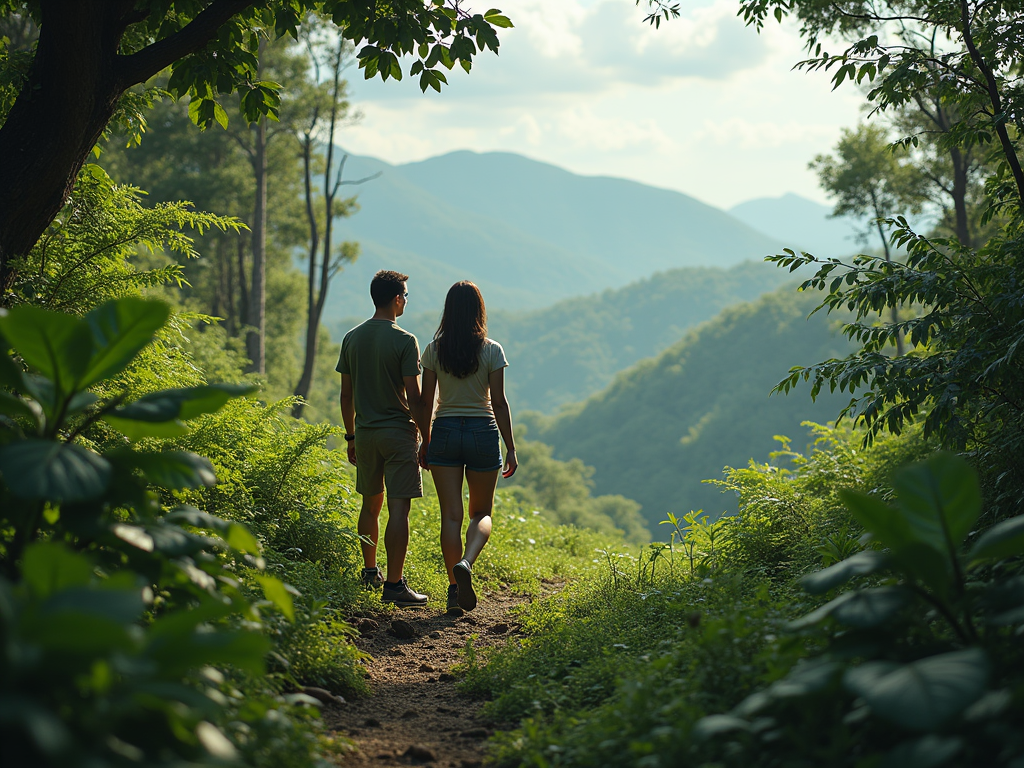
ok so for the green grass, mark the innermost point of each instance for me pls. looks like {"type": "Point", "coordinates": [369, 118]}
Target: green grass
{"type": "Point", "coordinates": [525, 548]}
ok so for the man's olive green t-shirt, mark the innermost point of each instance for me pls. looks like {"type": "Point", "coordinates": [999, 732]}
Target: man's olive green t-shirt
{"type": "Point", "coordinates": [377, 355]}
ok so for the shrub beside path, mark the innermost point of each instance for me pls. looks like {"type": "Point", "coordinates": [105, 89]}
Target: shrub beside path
{"type": "Point", "coordinates": [414, 714]}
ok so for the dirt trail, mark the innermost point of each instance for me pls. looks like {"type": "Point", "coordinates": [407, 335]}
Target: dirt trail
{"type": "Point", "coordinates": [414, 715]}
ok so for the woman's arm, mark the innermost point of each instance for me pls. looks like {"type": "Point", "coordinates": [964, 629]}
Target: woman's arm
{"type": "Point", "coordinates": [427, 406]}
{"type": "Point", "coordinates": [503, 416]}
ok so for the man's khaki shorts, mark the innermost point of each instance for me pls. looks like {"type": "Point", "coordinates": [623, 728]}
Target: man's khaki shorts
{"type": "Point", "coordinates": [387, 456]}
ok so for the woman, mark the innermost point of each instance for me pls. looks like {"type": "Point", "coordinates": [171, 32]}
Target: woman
{"type": "Point", "coordinates": [468, 371]}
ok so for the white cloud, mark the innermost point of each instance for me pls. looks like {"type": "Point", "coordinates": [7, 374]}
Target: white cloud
{"type": "Point", "coordinates": [703, 104]}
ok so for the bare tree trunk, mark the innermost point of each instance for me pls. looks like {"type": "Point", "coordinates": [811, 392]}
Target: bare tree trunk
{"type": "Point", "coordinates": [888, 258]}
{"type": "Point", "coordinates": [243, 289]}
{"type": "Point", "coordinates": [320, 278]}
{"type": "Point", "coordinates": [231, 321]}
{"type": "Point", "coordinates": [960, 180]}
{"type": "Point", "coordinates": [255, 342]}
{"type": "Point", "coordinates": [306, 379]}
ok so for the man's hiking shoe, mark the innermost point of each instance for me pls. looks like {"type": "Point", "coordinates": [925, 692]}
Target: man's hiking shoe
{"type": "Point", "coordinates": [401, 595]}
{"type": "Point", "coordinates": [454, 609]}
{"type": "Point", "coordinates": [372, 578]}
{"type": "Point", "coordinates": [464, 579]}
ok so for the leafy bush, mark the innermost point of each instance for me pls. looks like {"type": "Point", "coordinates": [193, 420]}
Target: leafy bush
{"type": "Point", "coordinates": [114, 611]}
{"type": "Point", "coordinates": [922, 664]}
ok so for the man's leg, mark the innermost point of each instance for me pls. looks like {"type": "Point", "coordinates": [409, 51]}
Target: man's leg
{"type": "Point", "coordinates": [369, 527]}
{"type": "Point", "coordinates": [396, 537]}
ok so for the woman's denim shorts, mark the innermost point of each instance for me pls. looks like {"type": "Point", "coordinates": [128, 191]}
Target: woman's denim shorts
{"type": "Point", "coordinates": [469, 441]}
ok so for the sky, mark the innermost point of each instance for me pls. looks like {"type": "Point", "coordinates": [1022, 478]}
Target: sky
{"type": "Point", "coordinates": [704, 105]}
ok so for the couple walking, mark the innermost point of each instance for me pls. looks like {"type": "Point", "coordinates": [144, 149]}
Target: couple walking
{"type": "Point", "coordinates": [383, 407]}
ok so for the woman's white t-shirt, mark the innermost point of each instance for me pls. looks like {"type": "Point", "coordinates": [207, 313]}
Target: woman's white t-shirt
{"type": "Point", "coordinates": [470, 396]}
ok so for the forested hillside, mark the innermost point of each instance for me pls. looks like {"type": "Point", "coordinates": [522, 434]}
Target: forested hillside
{"type": "Point", "coordinates": [526, 232]}
{"type": "Point", "coordinates": [566, 352]}
{"type": "Point", "coordinates": [672, 421]}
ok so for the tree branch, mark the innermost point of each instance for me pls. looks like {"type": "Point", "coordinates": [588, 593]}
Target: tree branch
{"type": "Point", "coordinates": [1009, 151]}
{"type": "Point", "coordinates": [142, 65]}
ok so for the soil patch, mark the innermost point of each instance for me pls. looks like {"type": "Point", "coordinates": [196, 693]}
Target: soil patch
{"type": "Point", "coordinates": [414, 715]}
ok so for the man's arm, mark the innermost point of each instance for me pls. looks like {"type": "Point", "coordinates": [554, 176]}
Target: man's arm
{"type": "Point", "coordinates": [348, 414]}
{"type": "Point", "coordinates": [417, 410]}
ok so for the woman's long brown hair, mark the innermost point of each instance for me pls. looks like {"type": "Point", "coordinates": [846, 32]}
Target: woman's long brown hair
{"type": "Point", "coordinates": [463, 329]}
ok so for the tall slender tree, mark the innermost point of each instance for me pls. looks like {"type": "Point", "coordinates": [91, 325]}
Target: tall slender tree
{"type": "Point", "coordinates": [327, 108]}
{"type": "Point", "coordinates": [867, 180]}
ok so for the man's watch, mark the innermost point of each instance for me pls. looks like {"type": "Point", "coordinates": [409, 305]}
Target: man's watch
{"type": "Point", "coordinates": [349, 438]}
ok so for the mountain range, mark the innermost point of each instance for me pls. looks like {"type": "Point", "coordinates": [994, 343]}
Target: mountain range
{"type": "Point", "coordinates": [528, 233]}
{"type": "Point", "coordinates": [566, 352]}
{"type": "Point", "coordinates": [801, 224]}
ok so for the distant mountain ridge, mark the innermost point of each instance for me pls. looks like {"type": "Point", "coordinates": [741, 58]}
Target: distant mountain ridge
{"type": "Point", "coordinates": [672, 421]}
{"type": "Point", "coordinates": [566, 352]}
{"type": "Point", "coordinates": [802, 224]}
{"type": "Point", "coordinates": [528, 233]}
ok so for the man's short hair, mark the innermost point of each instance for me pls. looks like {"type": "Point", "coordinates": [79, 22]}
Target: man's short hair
{"type": "Point", "coordinates": [385, 285]}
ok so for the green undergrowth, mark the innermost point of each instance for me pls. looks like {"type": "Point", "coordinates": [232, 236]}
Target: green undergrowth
{"type": "Point", "coordinates": [286, 483]}
{"type": "Point", "coordinates": [620, 667]}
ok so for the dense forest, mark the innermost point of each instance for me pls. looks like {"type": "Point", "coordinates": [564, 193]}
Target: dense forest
{"type": "Point", "coordinates": [178, 551]}
{"type": "Point", "coordinates": [670, 422]}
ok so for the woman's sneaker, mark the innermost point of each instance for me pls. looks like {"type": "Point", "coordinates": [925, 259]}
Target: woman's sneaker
{"type": "Point", "coordinates": [453, 600]}
{"type": "Point", "coordinates": [401, 595]}
{"type": "Point", "coordinates": [372, 578]}
{"type": "Point", "coordinates": [464, 579]}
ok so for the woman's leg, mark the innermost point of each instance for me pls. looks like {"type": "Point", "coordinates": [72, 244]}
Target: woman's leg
{"type": "Point", "coordinates": [481, 500]}
{"type": "Point", "coordinates": [448, 484]}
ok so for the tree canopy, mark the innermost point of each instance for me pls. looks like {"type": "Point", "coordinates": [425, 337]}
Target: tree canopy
{"type": "Point", "coordinates": [63, 86]}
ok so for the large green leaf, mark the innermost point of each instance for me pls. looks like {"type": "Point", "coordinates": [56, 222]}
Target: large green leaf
{"type": "Point", "coordinates": [886, 524]}
{"type": "Point", "coordinates": [10, 372]}
{"type": "Point", "coordinates": [236, 535]}
{"type": "Point", "coordinates": [1002, 540]}
{"type": "Point", "coordinates": [860, 564]}
{"type": "Point", "coordinates": [119, 330]}
{"type": "Point", "coordinates": [175, 470]}
{"type": "Point", "coordinates": [120, 605]}
{"type": "Point", "coordinates": [161, 414]}
{"type": "Point", "coordinates": [55, 344]}
{"type": "Point", "coordinates": [45, 469]}
{"type": "Point", "coordinates": [48, 567]}
{"type": "Point", "coordinates": [924, 694]}
{"type": "Point", "coordinates": [277, 593]}
{"type": "Point", "coordinates": [862, 608]}
{"type": "Point", "coordinates": [941, 499]}
{"type": "Point", "coordinates": [870, 607]}
{"type": "Point", "coordinates": [48, 733]}
{"type": "Point", "coordinates": [926, 564]}
{"type": "Point", "coordinates": [12, 405]}
{"type": "Point", "coordinates": [929, 751]}
{"type": "Point", "coordinates": [139, 430]}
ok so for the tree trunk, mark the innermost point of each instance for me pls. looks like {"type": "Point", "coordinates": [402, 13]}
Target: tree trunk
{"type": "Point", "coordinates": [888, 259]}
{"type": "Point", "coordinates": [255, 342]}
{"type": "Point", "coordinates": [72, 90]}
{"type": "Point", "coordinates": [315, 308]}
{"type": "Point", "coordinates": [243, 289]}
{"type": "Point", "coordinates": [963, 227]}
{"type": "Point", "coordinates": [306, 379]}
{"type": "Point", "coordinates": [58, 117]}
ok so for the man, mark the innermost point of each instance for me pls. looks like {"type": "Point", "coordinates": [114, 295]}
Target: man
{"type": "Point", "coordinates": [380, 405]}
